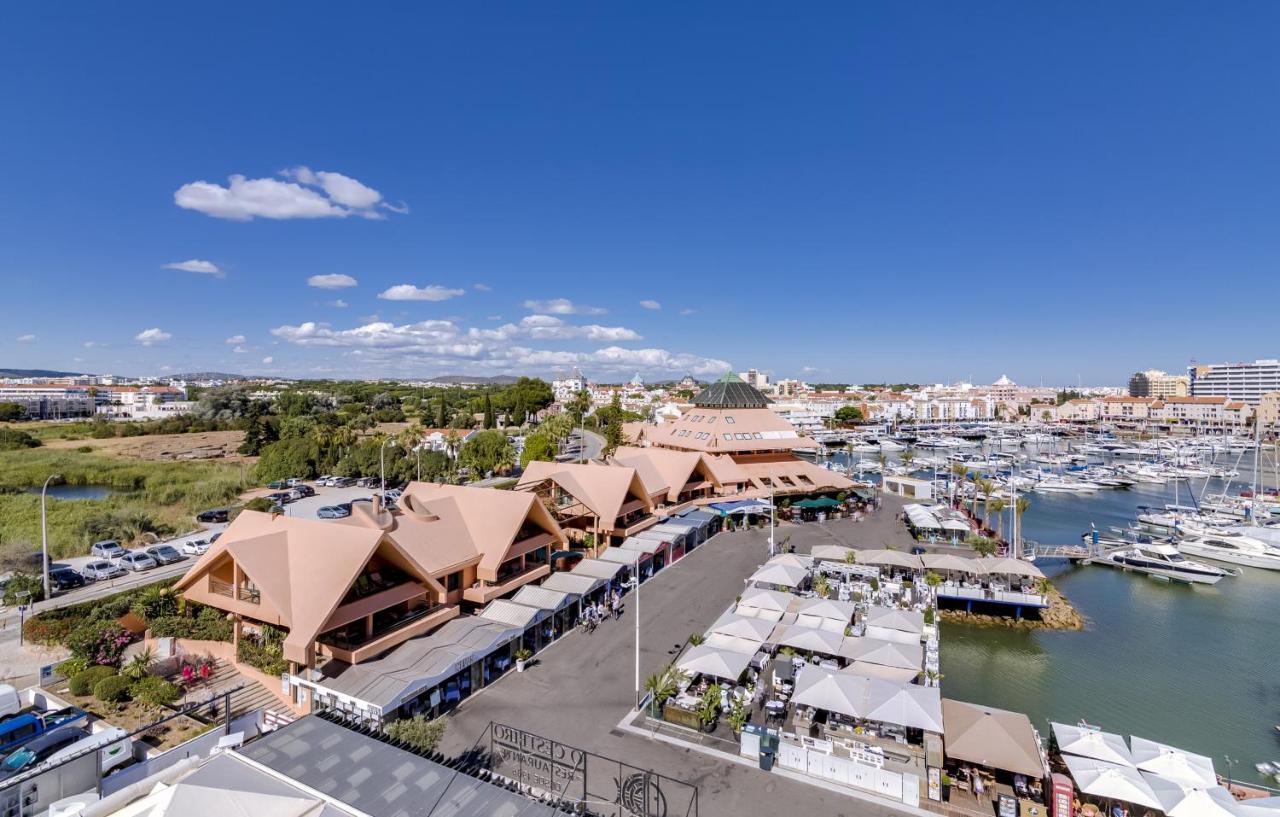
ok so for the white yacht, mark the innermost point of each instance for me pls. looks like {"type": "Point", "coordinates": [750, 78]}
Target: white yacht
{"type": "Point", "coordinates": [1165, 562]}
{"type": "Point", "coordinates": [1232, 549]}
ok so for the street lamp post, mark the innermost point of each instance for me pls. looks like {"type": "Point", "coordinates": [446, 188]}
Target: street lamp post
{"type": "Point", "coordinates": [21, 597]}
{"type": "Point", "coordinates": [635, 580]}
{"type": "Point", "coordinates": [44, 534]}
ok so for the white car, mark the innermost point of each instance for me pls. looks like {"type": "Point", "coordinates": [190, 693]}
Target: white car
{"type": "Point", "coordinates": [100, 571]}
{"type": "Point", "coordinates": [195, 547]}
{"type": "Point", "coordinates": [137, 561]}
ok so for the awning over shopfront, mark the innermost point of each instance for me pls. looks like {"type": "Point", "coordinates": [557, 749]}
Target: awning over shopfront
{"type": "Point", "coordinates": [538, 595]}
{"type": "Point", "coordinates": [597, 568]}
{"type": "Point", "coordinates": [504, 611]}
{"type": "Point", "coordinates": [575, 584]}
{"type": "Point", "coordinates": [741, 507]}
{"type": "Point", "coordinates": [621, 556]}
{"type": "Point", "coordinates": [995, 738]}
{"type": "Point", "coordinates": [644, 544]}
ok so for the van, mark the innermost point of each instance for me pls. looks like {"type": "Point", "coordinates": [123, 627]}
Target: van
{"type": "Point", "coordinates": [114, 745]}
{"type": "Point", "coordinates": [10, 702]}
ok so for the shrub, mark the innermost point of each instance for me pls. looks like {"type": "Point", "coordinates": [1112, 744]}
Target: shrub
{"type": "Point", "coordinates": [100, 642]}
{"type": "Point", "coordinates": [13, 440]}
{"type": "Point", "coordinates": [83, 682]}
{"type": "Point", "coordinates": [72, 667]}
{"type": "Point", "coordinates": [419, 732]}
{"type": "Point", "coordinates": [266, 655]}
{"type": "Point", "coordinates": [155, 691]}
{"type": "Point", "coordinates": [154, 602]}
{"type": "Point", "coordinates": [47, 630]}
{"type": "Point", "coordinates": [112, 690]}
{"type": "Point", "coordinates": [111, 609]}
{"type": "Point", "coordinates": [23, 582]}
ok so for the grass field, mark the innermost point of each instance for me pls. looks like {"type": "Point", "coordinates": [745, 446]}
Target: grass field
{"type": "Point", "coordinates": [152, 498]}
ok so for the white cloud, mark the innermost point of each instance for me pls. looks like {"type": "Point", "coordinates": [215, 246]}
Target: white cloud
{"type": "Point", "coordinates": [268, 360]}
{"type": "Point", "coordinates": [482, 287]}
{"type": "Point", "coordinates": [334, 280]}
{"type": "Point", "coordinates": [196, 265]}
{"type": "Point", "coordinates": [306, 194]}
{"type": "Point", "coordinates": [150, 337]}
{"type": "Point", "coordinates": [409, 292]}
{"type": "Point", "coordinates": [651, 304]}
{"type": "Point", "coordinates": [89, 344]}
{"type": "Point", "coordinates": [240, 350]}
{"type": "Point", "coordinates": [686, 311]}
{"type": "Point", "coordinates": [563, 306]}
{"type": "Point", "coordinates": [338, 303]}
{"type": "Point", "coordinates": [26, 338]}
{"type": "Point", "coordinates": [387, 347]}
{"type": "Point", "coordinates": [234, 340]}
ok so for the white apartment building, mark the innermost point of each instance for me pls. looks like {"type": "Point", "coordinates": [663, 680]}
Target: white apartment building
{"type": "Point", "coordinates": [142, 402]}
{"type": "Point", "coordinates": [49, 401]}
{"type": "Point", "coordinates": [566, 387]}
{"type": "Point", "coordinates": [1157, 383]}
{"type": "Point", "coordinates": [1238, 381]}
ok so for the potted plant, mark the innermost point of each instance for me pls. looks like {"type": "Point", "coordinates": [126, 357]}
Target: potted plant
{"type": "Point", "coordinates": [697, 640]}
{"type": "Point", "coordinates": [737, 716]}
{"type": "Point", "coordinates": [661, 686]}
{"type": "Point", "coordinates": [946, 787]}
{"type": "Point", "coordinates": [709, 708]}
{"type": "Point", "coordinates": [522, 656]}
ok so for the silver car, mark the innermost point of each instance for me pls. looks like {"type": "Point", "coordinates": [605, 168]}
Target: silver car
{"type": "Point", "coordinates": [195, 547]}
{"type": "Point", "coordinates": [137, 561]}
{"type": "Point", "coordinates": [100, 571]}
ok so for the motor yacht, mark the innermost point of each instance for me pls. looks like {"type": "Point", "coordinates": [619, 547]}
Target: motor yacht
{"type": "Point", "coordinates": [1232, 548]}
{"type": "Point", "coordinates": [1164, 561]}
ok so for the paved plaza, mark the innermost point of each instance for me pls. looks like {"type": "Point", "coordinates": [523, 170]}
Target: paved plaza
{"type": "Point", "coordinates": [581, 687]}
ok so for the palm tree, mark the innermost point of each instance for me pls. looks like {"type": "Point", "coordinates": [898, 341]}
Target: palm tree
{"type": "Point", "coordinates": [322, 436]}
{"type": "Point", "coordinates": [987, 486]}
{"type": "Point", "coordinates": [906, 457]}
{"type": "Point", "coordinates": [822, 586]}
{"type": "Point", "coordinates": [975, 478]}
{"type": "Point", "coordinates": [409, 439]}
{"type": "Point", "coordinates": [344, 437]}
{"type": "Point", "coordinates": [883, 460]}
{"type": "Point", "coordinates": [850, 557]}
{"type": "Point", "coordinates": [997, 506]}
{"type": "Point", "coordinates": [1019, 508]}
{"type": "Point", "coordinates": [933, 579]}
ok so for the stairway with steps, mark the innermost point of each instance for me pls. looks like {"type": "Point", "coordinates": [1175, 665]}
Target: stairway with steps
{"type": "Point", "coordinates": [250, 696]}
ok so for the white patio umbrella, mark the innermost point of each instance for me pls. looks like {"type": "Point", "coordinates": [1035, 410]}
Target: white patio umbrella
{"type": "Point", "coordinates": [1111, 781]}
{"type": "Point", "coordinates": [1259, 807]}
{"type": "Point", "coordinates": [1185, 768]}
{"type": "Point", "coordinates": [888, 558]}
{"type": "Point", "coordinates": [948, 561]}
{"type": "Point", "coordinates": [718, 663]}
{"type": "Point", "coordinates": [780, 574]}
{"type": "Point", "coordinates": [1079, 740]}
{"type": "Point", "coordinates": [1177, 800]}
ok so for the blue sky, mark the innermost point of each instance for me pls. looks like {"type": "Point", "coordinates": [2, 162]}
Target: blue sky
{"type": "Point", "coordinates": [905, 191]}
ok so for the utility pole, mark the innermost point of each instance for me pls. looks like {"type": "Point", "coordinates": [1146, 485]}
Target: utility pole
{"type": "Point", "coordinates": [44, 534]}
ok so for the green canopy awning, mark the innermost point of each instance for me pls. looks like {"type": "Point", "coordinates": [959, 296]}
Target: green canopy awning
{"type": "Point", "coordinates": [820, 502]}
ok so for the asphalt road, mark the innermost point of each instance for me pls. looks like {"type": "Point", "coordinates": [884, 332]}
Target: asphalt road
{"type": "Point", "coordinates": [579, 689]}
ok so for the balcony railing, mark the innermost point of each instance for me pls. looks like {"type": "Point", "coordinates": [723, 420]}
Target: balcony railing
{"type": "Point", "coordinates": [247, 594]}
{"type": "Point", "coordinates": [345, 641]}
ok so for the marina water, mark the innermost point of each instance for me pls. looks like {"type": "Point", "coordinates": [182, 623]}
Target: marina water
{"type": "Point", "coordinates": [1196, 667]}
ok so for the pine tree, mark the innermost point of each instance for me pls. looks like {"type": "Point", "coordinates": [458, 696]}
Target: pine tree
{"type": "Point", "coordinates": [488, 412]}
{"type": "Point", "coordinates": [442, 419]}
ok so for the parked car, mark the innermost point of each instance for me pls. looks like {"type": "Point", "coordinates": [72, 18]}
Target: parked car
{"type": "Point", "coordinates": [39, 750]}
{"type": "Point", "coordinates": [367, 482]}
{"type": "Point", "coordinates": [214, 516]}
{"type": "Point", "coordinates": [29, 724]}
{"type": "Point", "coordinates": [292, 482]}
{"type": "Point", "coordinates": [107, 549]}
{"type": "Point", "coordinates": [195, 547]}
{"type": "Point", "coordinates": [276, 485]}
{"type": "Point", "coordinates": [342, 482]}
{"type": "Point", "coordinates": [214, 538]}
{"type": "Point", "coordinates": [322, 481]}
{"type": "Point", "coordinates": [919, 551]}
{"type": "Point", "coordinates": [392, 495]}
{"type": "Point", "coordinates": [100, 571]}
{"type": "Point", "coordinates": [334, 512]}
{"type": "Point", "coordinates": [304, 489]}
{"type": "Point", "coordinates": [137, 561]}
{"type": "Point", "coordinates": [164, 554]}
{"type": "Point", "coordinates": [281, 497]}
{"type": "Point", "coordinates": [65, 578]}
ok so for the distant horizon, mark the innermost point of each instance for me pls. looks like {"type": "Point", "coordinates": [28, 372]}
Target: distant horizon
{"type": "Point", "coordinates": [932, 192]}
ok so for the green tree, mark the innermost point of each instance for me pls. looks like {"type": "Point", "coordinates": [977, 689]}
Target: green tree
{"type": "Point", "coordinates": [996, 506]}
{"type": "Point", "coordinates": [907, 458]}
{"type": "Point", "coordinates": [612, 438]}
{"type": "Point", "coordinates": [286, 458]}
{"type": "Point", "coordinates": [442, 413]}
{"type": "Point", "coordinates": [487, 452]}
{"type": "Point", "coordinates": [13, 440]}
{"type": "Point", "coordinates": [10, 412]}
{"type": "Point", "coordinates": [489, 421]}
{"type": "Point", "coordinates": [538, 446]}
{"type": "Point", "coordinates": [849, 414]}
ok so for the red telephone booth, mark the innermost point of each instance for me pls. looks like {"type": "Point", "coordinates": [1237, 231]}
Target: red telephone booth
{"type": "Point", "coordinates": [1063, 795]}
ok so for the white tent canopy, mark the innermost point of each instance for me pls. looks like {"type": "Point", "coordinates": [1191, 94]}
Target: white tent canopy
{"type": "Point", "coordinates": [792, 560]}
{"type": "Point", "coordinates": [1259, 807]}
{"type": "Point", "coordinates": [831, 691]}
{"type": "Point", "coordinates": [732, 643]}
{"type": "Point", "coordinates": [758, 602]}
{"type": "Point", "coordinates": [905, 705]}
{"type": "Point", "coordinates": [1111, 781]}
{"type": "Point", "coordinates": [1079, 740]}
{"type": "Point", "coordinates": [884, 653]}
{"type": "Point", "coordinates": [1183, 768]}
{"type": "Point", "coordinates": [949, 561]}
{"type": "Point", "coordinates": [831, 553]}
{"type": "Point", "coordinates": [780, 574]}
{"type": "Point", "coordinates": [1006, 566]}
{"type": "Point", "coordinates": [808, 639]}
{"type": "Point", "coordinates": [718, 663]}
{"type": "Point", "coordinates": [896, 674]}
{"type": "Point", "coordinates": [888, 618]}
{"type": "Point", "coordinates": [1177, 800]}
{"type": "Point", "coordinates": [888, 558]}
{"type": "Point", "coordinates": [747, 627]}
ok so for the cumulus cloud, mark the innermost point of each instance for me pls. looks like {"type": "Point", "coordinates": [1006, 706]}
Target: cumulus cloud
{"type": "Point", "coordinates": [333, 280]}
{"type": "Point", "coordinates": [240, 350]}
{"type": "Point", "coordinates": [90, 344]}
{"type": "Point", "coordinates": [686, 311]}
{"type": "Point", "coordinates": [338, 303]}
{"type": "Point", "coordinates": [563, 306]}
{"type": "Point", "coordinates": [651, 304]}
{"type": "Point", "coordinates": [234, 340]}
{"type": "Point", "coordinates": [409, 292]}
{"type": "Point", "coordinates": [299, 193]}
{"type": "Point", "coordinates": [196, 265]}
{"type": "Point", "coordinates": [26, 338]}
{"type": "Point", "coordinates": [150, 337]}
{"type": "Point", "coordinates": [386, 346]}
{"type": "Point", "coordinates": [268, 360]}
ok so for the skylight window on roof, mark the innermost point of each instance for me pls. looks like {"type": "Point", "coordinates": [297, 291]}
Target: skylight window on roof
{"type": "Point", "coordinates": [728, 436]}
{"type": "Point", "coordinates": [711, 419]}
{"type": "Point", "coordinates": [728, 419]}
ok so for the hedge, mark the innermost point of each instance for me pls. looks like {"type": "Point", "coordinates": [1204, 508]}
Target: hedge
{"type": "Point", "coordinates": [82, 683]}
{"type": "Point", "coordinates": [155, 690]}
{"type": "Point", "coordinates": [112, 690]}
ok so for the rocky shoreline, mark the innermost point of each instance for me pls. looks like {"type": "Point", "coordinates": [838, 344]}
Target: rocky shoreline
{"type": "Point", "coordinates": [1059, 615]}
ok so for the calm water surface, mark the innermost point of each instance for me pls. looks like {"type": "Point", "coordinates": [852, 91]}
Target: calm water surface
{"type": "Point", "coordinates": [75, 491]}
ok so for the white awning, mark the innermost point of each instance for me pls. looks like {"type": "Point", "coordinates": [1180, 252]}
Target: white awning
{"type": "Point", "coordinates": [733, 643]}
{"type": "Point", "coordinates": [1110, 780]}
{"type": "Point", "coordinates": [620, 556]}
{"type": "Point", "coordinates": [1007, 566]}
{"type": "Point", "coordinates": [808, 639]}
{"type": "Point", "coordinates": [748, 627]}
{"type": "Point", "coordinates": [883, 653]}
{"type": "Point", "coordinates": [831, 691]}
{"type": "Point", "coordinates": [781, 575]}
{"type": "Point", "coordinates": [644, 544]}
{"type": "Point", "coordinates": [539, 595]}
{"type": "Point", "coordinates": [761, 603]}
{"type": "Point", "coordinates": [831, 553]}
{"type": "Point", "coordinates": [1078, 740]}
{"type": "Point", "coordinates": [504, 611]}
{"type": "Point", "coordinates": [1177, 800]}
{"type": "Point", "coordinates": [1184, 768]}
{"type": "Point", "coordinates": [888, 618]}
{"type": "Point", "coordinates": [906, 705]}
{"type": "Point", "coordinates": [575, 584]}
{"type": "Point", "coordinates": [896, 674]}
{"type": "Point", "coordinates": [888, 558]}
{"type": "Point", "coordinates": [597, 569]}
{"type": "Point", "coordinates": [948, 561]}
{"type": "Point", "coordinates": [718, 663]}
